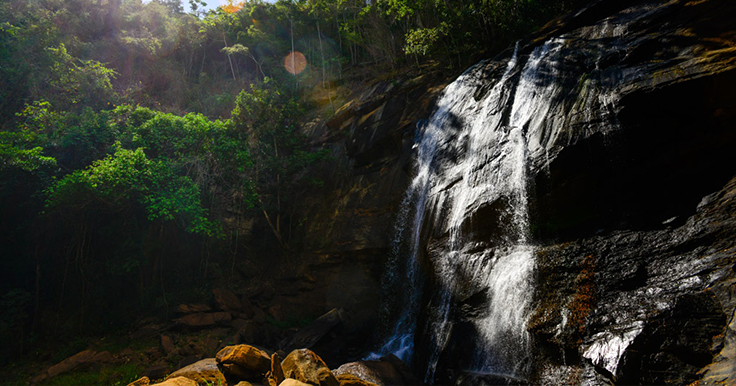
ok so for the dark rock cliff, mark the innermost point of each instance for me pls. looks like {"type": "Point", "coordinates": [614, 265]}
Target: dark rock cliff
{"type": "Point", "coordinates": [634, 199]}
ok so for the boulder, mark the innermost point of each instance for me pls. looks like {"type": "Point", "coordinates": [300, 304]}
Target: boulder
{"type": "Point", "coordinates": [192, 308]}
{"type": "Point", "coordinates": [388, 370]}
{"type": "Point", "coordinates": [140, 382]}
{"type": "Point", "coordinates": [167, 344]}
{"type": "Point", "coordinates": [276, 375]}
{"type": "Point", "coordinates": [205, 371]}
{"type": "Point", "coordinates": [226, 300]}
{"type": "Point", "coordinates": [244, 361]}
{"type": "Point", "coordinates": [292, 382]}
{"type": "Point", "coordinates": [178, 381]}
{"type": "Point", "coordinates": [157, 371]}
{"type": "Point", "coordinates": [81, 359]}
{"type": "Point", "coordinates": [308, 336]}
{"type": "Point", "coordinates": [243, 383]}
{"type": "Point", "coordinates": [203, 320]}
{"type": "Point", "coordinates": [188, 360]}
{"type": "Point", "coordinates": [305, 366]}
{"type": "Point", "coordinates": [352, 380]}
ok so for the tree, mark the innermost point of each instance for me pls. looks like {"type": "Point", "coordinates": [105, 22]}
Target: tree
{"type": "Point", "coordinates": [267, 120]}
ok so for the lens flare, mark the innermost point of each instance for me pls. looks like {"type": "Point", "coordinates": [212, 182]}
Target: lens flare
{"type": "Point", "coordinates": [295, 62]}
{"type": "Point", "coordinates": [232, 7]}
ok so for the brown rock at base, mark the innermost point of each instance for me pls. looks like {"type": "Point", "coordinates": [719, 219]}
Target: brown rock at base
{"type": "Point", "coordinates": [157, 371]}
{"type": "Point", "coordinates": [308, 336]}
{"type": "Point", "coordinates": [388, 370]}
{"type": "Point", "coordinates": [226, 300]}
{"type": "Point", "coordinates": [306, 366]}
{"type": "Point", "coordinates": [201, 320]}
{"type": "Point", "coordinates": [141, 382]}
{"type": "Point", "coordinates": [243, 383]}
{"type": "Point", "coordinates": [193, 308]}
{"type": "Point", "coordinates": [71, 363]}
{"type": "Point", "coordinates": [292, 382]}
{"type": "Point", "coordinates": [222, 318]}
{"type": "Point", "coordinates": [203, 371]}
{"type": "Point", "coordinates": [103, 357]}
{"type": "Point", "coordinates": [178, 381]}
{"type": "Point", "coordinates": [353, 380]}
{"type": "Point", "coordinates": [83, 358]}
{"type": "Point", "coordinates": [197, 320]}
{"type": "Point", "coordinates": [167, 344]}
{"type": "Point", "coordinates": [244, 362]}
{"type": "Point", "coordinates": [276, 375]}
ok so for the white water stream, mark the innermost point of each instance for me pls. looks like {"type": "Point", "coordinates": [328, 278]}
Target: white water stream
{"type": "Point", "coordinates": [472, 155]}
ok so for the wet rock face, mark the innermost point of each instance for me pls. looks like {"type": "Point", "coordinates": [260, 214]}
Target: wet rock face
{"type": "Point", "coordinates": [641, 128]}
{"type": "Point", "coordinates": [641, 292]}
{"type": "Point", "coordinates": [627, 112]}
{"type": "Point", "coordinates": [672, 348]}
{"type": "Point", "coordinates": [659, 305]}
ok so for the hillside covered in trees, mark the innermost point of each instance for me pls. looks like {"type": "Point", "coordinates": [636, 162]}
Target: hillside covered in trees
{"type": "Point", "coordinates": [145, 152]}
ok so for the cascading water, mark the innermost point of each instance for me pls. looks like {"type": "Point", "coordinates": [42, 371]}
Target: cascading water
{"type": "Point", "coordinates": [466, 216]}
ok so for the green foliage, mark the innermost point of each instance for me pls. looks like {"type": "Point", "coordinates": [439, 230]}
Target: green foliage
{"type": "Point", "coordinates": [266, 120]}
{"type": "Point", "coordinates": [75, 82]}
{"type": "Point", "coordinates": [129, 176]}
{"type": "Point", "coordinates": [422, 41]}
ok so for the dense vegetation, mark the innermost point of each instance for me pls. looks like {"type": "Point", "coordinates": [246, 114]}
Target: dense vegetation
{"type": "Point", "coordinates": [138, 142]}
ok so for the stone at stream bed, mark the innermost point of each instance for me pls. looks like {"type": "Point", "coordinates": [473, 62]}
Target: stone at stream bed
{"type": "Point", "coordinates": [293, 382]}
{"type": "Point", "coordinates": [204, 371]}
{"type": "Point", "coordinates": [305, 366]}
{"type": "Point", "coordinates": [352, 380]}
{"type": "Point", "coordinates": [244, 361]}
{"type": "Point", "coordinates": [388, 370]}
{"type": "Point", "coordinates": [276, 375]}
{"type": "Point", "coordinates": [145, 381]}
{"type": "Point", "coordinates": [179, 381]}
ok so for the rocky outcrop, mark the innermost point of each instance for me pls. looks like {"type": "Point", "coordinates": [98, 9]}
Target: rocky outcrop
{"type": "Point", "coordinates": [305, 366]}
{"type": "Point", "coordinates": [204, 320]}
{"type": "Point", "coordinates": [178, 381]}
{"type": "Point", "coordinates": [205, 371]}
{"type": "Point", "coordinates": [386, 371]}
{"type": "Point", "coordinates": [660, 301]}
{"type": "Point", "coordinates": [244, 362]}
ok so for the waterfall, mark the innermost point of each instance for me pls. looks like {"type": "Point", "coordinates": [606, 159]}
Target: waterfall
{"type": "Point", "coordinates": [465, 220]}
